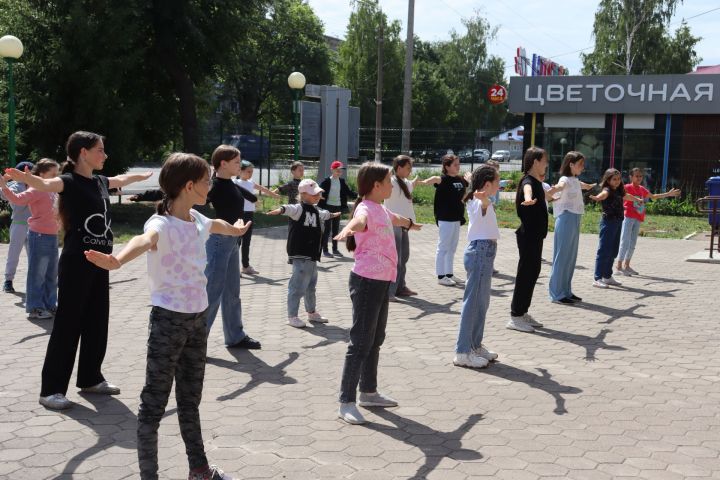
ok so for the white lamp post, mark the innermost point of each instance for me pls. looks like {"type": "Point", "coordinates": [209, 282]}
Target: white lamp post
{"type": "Point", "coordinates": [296, 82]}
{"type": "Point", "coordinates": [11, 48]}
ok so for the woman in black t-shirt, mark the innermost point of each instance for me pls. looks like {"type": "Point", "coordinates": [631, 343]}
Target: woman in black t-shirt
{"type": "Point", "coordinates": [449, 210]}
{"type": "Point", "coordinates": [83, 289]}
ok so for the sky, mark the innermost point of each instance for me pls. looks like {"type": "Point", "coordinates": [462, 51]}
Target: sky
{"type": "Point", "coordinates": [556, 33]}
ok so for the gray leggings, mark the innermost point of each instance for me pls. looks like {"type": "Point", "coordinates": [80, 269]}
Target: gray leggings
{"type": "Point", "coordinates": [177, 348]}
{"type": "Point", "coordinates": [18, 240]}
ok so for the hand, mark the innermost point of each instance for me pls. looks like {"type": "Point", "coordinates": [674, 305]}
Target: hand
{"type": "Point", "coordinates": [242, 227]}
{"type": "Point", "coordinates": [273, 212]}
{"type": "Point", "coordinates": [336, 214]}
{"type": "Point", "coordinates": [102, 260]}
{"type": "Point", "coordinates": [527, 203]}
{"type": "Point", "coordinates": [481, 195]}
{"type": "Point", "coordinates": [344, 233]}
{"type": "Point", "coordinates": [594, 198]}
{"type": "Point", "coordinates": [468, 177]}
{"type": "Point", "coordinates": [145, 175]}
{"type": "Point", "coordinates": [415, 226]}
{"type": "Point", "coordinates": [17, 175]}
{"type": "Point", "coordinates": [674, 193]}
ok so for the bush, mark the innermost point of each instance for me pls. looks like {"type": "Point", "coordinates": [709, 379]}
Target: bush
{"type": "Point", "coordinates": [674, 206]}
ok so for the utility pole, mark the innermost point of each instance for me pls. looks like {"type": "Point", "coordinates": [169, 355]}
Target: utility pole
{"type": "Point", "coordinates": [378, 96]}
{"type": "Point", "coordinates": [407, 90]}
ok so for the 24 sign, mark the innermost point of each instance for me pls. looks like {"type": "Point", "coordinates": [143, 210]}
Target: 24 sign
{"type": "Point", "coordinates": [497, 94]}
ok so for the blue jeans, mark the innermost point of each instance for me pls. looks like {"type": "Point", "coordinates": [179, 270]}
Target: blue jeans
{"type": "Point", "coordinates": [479, 259]}
{"type": "Point", "coordinates": [628, 238]}
{"type": "Point", "coordinates": [302, 285]}
{"type": "Point", "coordinates": [402, 246]}
{"type": "Point", "coordinates": [42, 278]}
{"type": "Point", "coordinates": [608, 247]}
{"type": "Point", "coordinates": [223, 286]}
{"type": "Point", "coordinates": [565, 250]}
{"type": "Point", "coordinates": [369, 311]}
{"type": "Point", "coordinates": [448, 237]}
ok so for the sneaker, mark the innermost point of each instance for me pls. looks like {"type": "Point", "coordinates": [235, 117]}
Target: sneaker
{"type": "Point", "coordinates": [405, 292]}
{"type": "Point", "coordinates": [349, 413]}
{"type": "Point", "coordinates": [469, 360]}
{"type": "Point", "coordinates": [611, 281]}
{"type": "Point", "coordinates": [446, 281]}
{"type": "Point", "coordinates": [212, 472]}
{"type": "Point", "coordinates": [247, 343]}
{"type": "Point", "coordinates": [56, 402]}
{"type": "Point", "coordinates": [376, 399]}
{"type": "Point", "coordinates": [531, 321]}
{"type": "Point", "coordinates": [296, 322]}
{"type": "Point", "coordinates": [519, 324]}
{"type": "Point", "coordinates": [103, 388]}
{"type": "Point", "coordinates": [631, 271]}
{"type": "Point", "coordinates": [564, 301]}
{"type": "Point", "coordinates": [39, 314]}
{"type": "Point", "coordinates": [316, 317]}
{"type": "Point", "coordinates": [249, 271]}
{"type": "Point", "coordinates": [336, 253]}
{"type": "Point", "coordinates": [575, 298]}
{"type": "Point", "coordinates": [599, 284]}
{"type": "Point", "coordinates": [327, 254]}
{"type": "Point", "coordinates": [623, 271]}
{"type": "Point", "coordinates": [458, 281]}
{"type": "Point", "coordinates": [483, 352]}
{"type": "Point", "coordinates": [8, 287]}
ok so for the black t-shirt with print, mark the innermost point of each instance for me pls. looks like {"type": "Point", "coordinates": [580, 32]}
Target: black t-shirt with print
{"type": "Point", "coordinates": [533, 218]}
{"type": "Point", "coordinates": [447, 204]}
{"type": "Point", "coordinates": [612, 206]}
{"type": "Point", "coordinates": [86, 203]}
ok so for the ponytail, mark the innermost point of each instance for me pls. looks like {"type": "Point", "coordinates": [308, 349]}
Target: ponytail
{"type": "Point", "coordinates": [163, 206]}
{"type": "Point", "coordinates": [401, 161]}
{"type": "Point", "coordinates": [68, 166]}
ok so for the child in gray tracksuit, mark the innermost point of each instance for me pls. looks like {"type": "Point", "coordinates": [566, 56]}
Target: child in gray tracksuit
{"type": "Point", "coordinates": [303, 248]}
{"type": "Point", "coordinates": [18, 231]}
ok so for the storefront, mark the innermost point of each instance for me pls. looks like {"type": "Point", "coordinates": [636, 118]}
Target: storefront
{"type": "Point", "coordinates": [668, 125]}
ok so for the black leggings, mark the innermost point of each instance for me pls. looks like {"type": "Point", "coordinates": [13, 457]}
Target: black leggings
{"type": "Point", "coordinates": [82, 317]}
{"type": "Point", "coordinates": [335, 224]}
{"type": "Point", "coordinates": [244, 241]}
{"type": "Point", "coordinates": [528, 271]}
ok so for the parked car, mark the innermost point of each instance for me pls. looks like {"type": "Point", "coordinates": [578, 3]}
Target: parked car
{"type": "Point", "coordinates": [481, 155]}
{"type": "Point", "coordinates": [501, 155]}
{"type": "Point", "coordinates": [465, 155]}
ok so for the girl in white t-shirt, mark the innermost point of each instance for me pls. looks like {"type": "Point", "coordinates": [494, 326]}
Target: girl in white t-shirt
{"type": "Point", "coordinates": [175, 241]}
{"type": "Point", "coordinates": [245, 181]}
{"type": "Point", "coordinates": [482, 235]}
{"type": "Point", "coordinates": [401, 203]}
{"type": "Point", "coordinates": [568, 210]}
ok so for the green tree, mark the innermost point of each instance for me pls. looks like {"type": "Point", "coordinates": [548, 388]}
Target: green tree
{"type": "Point", "coordinates": [632, 38]}
{"type": "Point", "coordinates": [357, 63]}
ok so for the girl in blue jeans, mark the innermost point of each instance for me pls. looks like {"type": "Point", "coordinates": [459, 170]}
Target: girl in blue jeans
{"type": "Point", "coordinates": [480, 253]}
{"type": "Point", "coordinates": [612, 196]}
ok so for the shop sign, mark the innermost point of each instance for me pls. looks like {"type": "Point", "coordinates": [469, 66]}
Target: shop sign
{"type": "Point", "coordinates": [497, 94]}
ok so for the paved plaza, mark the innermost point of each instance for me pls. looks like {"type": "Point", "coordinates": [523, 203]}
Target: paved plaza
{"type": "Point", "coordinates": [623, 385]}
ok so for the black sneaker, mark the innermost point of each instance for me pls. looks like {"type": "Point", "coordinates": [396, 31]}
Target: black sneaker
{"type": "Point", "coordinates": [8, 287]}
{"type": "Point", "coordinates": [247, 343]}
{"type": "Point", "coordinates": [576, 298]}
{"type": "Point", "coordinates": [327, 254]}
{"type": "Point", "coordinates": [338, 254]}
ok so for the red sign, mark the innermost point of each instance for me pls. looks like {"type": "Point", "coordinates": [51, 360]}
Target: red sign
{"type": "Point", "coordinates": [497, 94]}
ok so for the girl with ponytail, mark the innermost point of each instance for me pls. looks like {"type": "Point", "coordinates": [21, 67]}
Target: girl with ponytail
{"type": "Point", "coordinates": [83, 289]}
{"type": "Point", "coordinates": [370, 235]}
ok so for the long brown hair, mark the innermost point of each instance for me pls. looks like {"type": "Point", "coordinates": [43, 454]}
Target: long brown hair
{"type": "Point", "coordinates": [572, 157]}
{"type": "Point", "coordinates": [398, 162]}
{"type": "Point", "coordinates": [43, 165]}
{"type": "Point", "coordinates": [605, 182]}
{"type": "Point", "coordinates": [532, 155]}
{"type": "Point", "coordinates": [74, 145]}
{"type": "Point", "coordinates": [178, 169]}
{"type": "Point", "coordinates": [369, 173]}
{"type": "Point", "coordinates": [481, 175]}
{"type": "Point", "coordinates": [447, 160]}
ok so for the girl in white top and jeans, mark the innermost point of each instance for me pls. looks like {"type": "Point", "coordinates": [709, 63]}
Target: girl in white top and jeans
{"type": "Point", "coordinates": [568, 210]}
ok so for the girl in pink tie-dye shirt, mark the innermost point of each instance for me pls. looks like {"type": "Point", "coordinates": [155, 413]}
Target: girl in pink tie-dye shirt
{"type": "Point", "coordinates": [370, 235]}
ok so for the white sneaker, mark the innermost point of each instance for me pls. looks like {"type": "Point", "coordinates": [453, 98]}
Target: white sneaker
{"type": "Point", "coordinates": [611, 281]}
{"type": "Point", "coordinates": [249, 271]}
{"type": "Point", "coordinates": [56, 401]}
{"type": "Point", "coordinates": [349, 413]}
{"type": "Point", "coordinates": [458, 281]}
{"type": "Point", "coordinates": [483, 352]}
{"type": "Point", "coordinates": [296, 322]}
{"type": "Point", "coordinates": [316, 317]}
{"type": "Point", "coordinates": [376, 399]}
{"type": "Point", "coordinates": [469, 360]}
{"type": "Point", "coordinates": [631, 271]}
{"type": "Point", "coordinates": [519, 324]}
{"type": "Point", "coordinates": [39, 314]}
{"type": "Point", "coordinates": [447, 281]}
{"type": "Point", "coordinates": [531, 321]}
{"type": "Point", "coordinates": [599, 284]}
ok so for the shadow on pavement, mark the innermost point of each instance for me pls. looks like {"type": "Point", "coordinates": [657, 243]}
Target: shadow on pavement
{"type": "Point", "coordinates": [331, 334]}
{"type": "Point", "coordinates": [543, 382]}
{"type": "Point", "coordinates": [590, 344]}
{"type": "Point", "coordinates": [649, 293]}
{"type": "Point", "coordinates": [434, 445]}
{"type": "Point", "coordinates": [259, 371]}
{"type": "Point", "coordinates": [429, 308]}
{"type": "Point", "coordinates": [612, 313]}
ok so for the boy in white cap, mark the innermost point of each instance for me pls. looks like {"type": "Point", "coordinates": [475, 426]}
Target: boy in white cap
{"type": "Point", "coordinates": [303, 248]}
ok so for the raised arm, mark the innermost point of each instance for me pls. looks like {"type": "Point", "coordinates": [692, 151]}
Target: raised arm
{"type": "Point", "coordinates": [221, 227]}
{"type": "Point", "coordinates": [134, 248]}
{"type": "Point", "coordinates": [6, 192]}
{"type": "Point", "coordinates": [266, 191]}
{"type": "Point", "coordinates": [43, 184]}
{"type": "Point", "coordinates": [357, 224]}
{"type": "Point", "coordinates": [429, 181]}
{"type": "Point", "coordinates": [600, 197]}
{"type": "Point", "coordinates": [120, 181]}
{"type": "Point", "coordinates": [587, 186]}
{"type": "Point", "coordinates": [404, 222]}
{"type": "Point", "coordinates": [670, 193]}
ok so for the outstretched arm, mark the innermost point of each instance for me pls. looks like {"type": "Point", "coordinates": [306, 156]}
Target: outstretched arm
{"type": "Point", "coordinates": [600, 197]}
{"type": "Point", "coordinates": [670, 193]}
{"type": "Point", "coordinates": [222, 227]}
{"type": "Point", "coordinates": [38, 183]}
{"type": "Point", "coordinates": [357, 224]}
{"type": "Point", "coordinates": [527, 193]}
{"type": "Point", "coordinates": [429, 181]}
{"type": "Point", "coordinates": [587, 186]}
{"type": "Point", "coordinates": [404, 222]}
{"type": "Point", "coordinates": [120, 181]}
{"type": "Point", "coordinates": [134, 248]}
{"type": "Point", "coordinates": [266, 191]}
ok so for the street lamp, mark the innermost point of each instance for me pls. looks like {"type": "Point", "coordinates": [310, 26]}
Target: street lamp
{"type": "Point", "coordinates": [296, 82]}
{"type": "Point", "coordinates": [11, 48]}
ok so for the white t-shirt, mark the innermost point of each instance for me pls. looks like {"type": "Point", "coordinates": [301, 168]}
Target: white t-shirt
{"type": "Point", "coordinates": [571, 198]}
{"type": "Point", "coordinates": [398, 203]}
{"type": "Point", "coordinates": [481, 227]}
{"type": "Point", "coordinates": [177, 267]}
{"type": "Point", "coordinates": [248, 185]}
